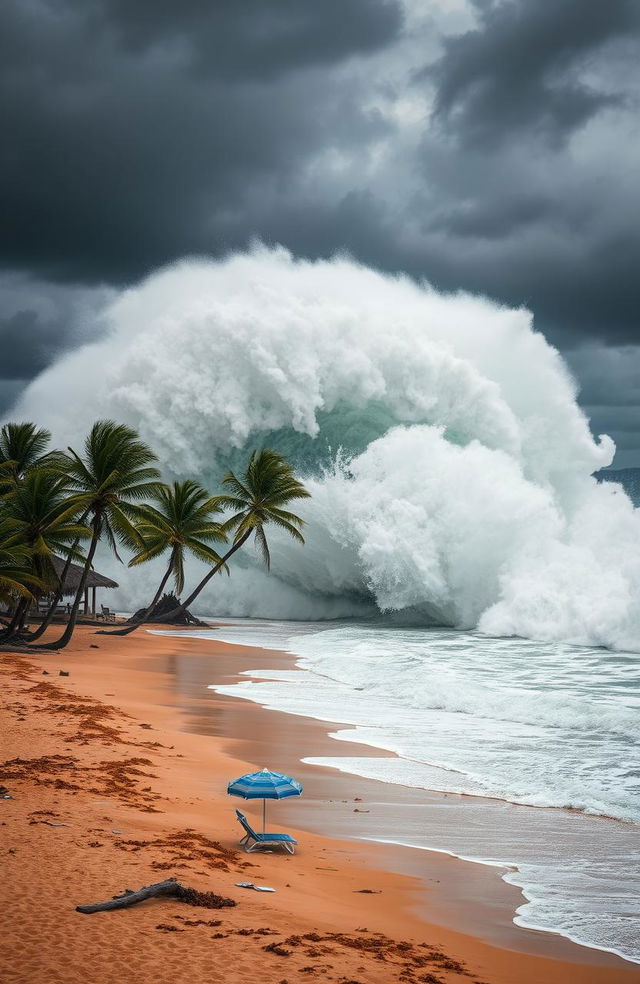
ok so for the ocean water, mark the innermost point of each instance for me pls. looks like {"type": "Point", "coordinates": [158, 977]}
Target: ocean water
{"type": "Point", "coordinates": [545, 725]}
{"type": "Point", "coordinates": [450, 465]}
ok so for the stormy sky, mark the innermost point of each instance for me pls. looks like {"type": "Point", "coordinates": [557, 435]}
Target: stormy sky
{"type": "Point", "coordinates": [490, 145]}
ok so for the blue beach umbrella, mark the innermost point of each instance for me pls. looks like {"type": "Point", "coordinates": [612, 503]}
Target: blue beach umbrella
{"type": "Point", "coordinates": [264, 785]}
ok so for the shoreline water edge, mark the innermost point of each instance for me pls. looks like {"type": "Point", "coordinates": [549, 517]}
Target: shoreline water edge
{"type": "Point", "coordinates": [117, 775]}
{"type": "Point", "coordinates": [577, 870]}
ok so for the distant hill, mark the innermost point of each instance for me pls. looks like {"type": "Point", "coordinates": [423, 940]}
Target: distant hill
{"type": "Point", "coordinates": [629, 478]}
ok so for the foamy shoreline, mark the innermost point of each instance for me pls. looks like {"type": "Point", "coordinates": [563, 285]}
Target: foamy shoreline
{"type": "Point", "coordinates": [521, 868]}
{"type": "Point", "coordinates": [194, 743]}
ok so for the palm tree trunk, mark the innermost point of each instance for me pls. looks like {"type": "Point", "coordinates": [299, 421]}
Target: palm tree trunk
{"type": "Point", "coordinates": [176, 612]}
{"type": "Point", "coordinates": [148, 612]}
{"type": "Point", "coordinates": [71, 624]}
{"type": "Point", "coordinates": [46, 621]}
{"type": "Point", "coordinates": [14, 625]}
{"type": "Point", "coordinates": [23, 617]}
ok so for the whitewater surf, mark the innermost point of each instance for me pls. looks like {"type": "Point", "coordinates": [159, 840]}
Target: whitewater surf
{"type": "Point", "coordinates": [449, 463]}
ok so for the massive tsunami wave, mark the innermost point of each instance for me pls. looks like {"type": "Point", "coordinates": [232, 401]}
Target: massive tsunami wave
{"type": "Point", "coordinates": [450, 465]}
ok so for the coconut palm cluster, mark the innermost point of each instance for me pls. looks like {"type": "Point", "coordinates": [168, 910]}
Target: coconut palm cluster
{"type": "Point", "coordinates": [63, 504]}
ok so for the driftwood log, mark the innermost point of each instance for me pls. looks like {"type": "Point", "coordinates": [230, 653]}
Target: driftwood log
{"type": "Point", "coordinates": [168, 888]}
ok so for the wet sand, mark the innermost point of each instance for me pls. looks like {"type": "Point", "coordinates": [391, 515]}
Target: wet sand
{"type": "Point", "coordinates": [132, 754]}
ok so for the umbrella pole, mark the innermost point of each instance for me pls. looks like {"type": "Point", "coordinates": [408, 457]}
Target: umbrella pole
{"type": "Point", "coordinates": [264, 815]}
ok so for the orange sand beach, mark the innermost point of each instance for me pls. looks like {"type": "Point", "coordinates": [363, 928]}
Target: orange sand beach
{"type": "Point", "coordinates": [117, 776]}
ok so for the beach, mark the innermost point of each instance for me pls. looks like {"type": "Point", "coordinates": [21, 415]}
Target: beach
{"type": "Point", "coordinates": [117, 776]}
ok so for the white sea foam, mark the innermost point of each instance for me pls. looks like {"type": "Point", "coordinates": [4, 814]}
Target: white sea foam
{"type": "Point", "coordinates": [541, 724]}
{"type": "Point", "coordinates": [537, 724]}
{"type": "Point", "coordinates": [462, 495]}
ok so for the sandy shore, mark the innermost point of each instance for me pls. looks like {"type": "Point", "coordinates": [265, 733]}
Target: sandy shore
{"type": "Point", "coordinates": [117, 777]}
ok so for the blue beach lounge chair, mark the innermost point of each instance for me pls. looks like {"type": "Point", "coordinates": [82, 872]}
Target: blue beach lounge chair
{"type": "Point", "coordinates": [264, 840]}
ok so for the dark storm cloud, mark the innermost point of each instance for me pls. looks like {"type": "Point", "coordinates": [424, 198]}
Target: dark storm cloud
{"type": "Point", "coordinates": [38, 323]}
{"type": "Point", "coordinates": [134, 129]}
{"type": "Point", "coordinates": [138, 131]}
{"type": "Point", "coordinates": [519, 68]}
{"type": "Point", "coordinates": [527, 188]}
{"type": "Point", "coordinates": [10, 390]}
{"type": "Point", "coordinates": [20, 360]}
{"type": "Point", "coordinates": [27, 345]}
{"type": "Point", "coordinates": [256, 39]}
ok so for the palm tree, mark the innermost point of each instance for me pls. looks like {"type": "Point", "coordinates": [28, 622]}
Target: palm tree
{"type": "Point", "coordinates": [39, 514]}
{"type": "Point", "coordinates": [17, 581]}
{"type": "Point", "coordinates": [22, 446]}
{"type": "Point", "coordinates": [115, 472]}
{"type": "Point", "coordinates": [181, 523]}
{"type": "Point", "coordinates": [267, 486]}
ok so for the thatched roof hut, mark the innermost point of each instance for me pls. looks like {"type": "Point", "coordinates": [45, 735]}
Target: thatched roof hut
{"type": "Point", "coordinates": [72, 581]}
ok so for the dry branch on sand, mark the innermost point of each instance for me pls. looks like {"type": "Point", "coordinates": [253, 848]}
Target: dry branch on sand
{"type": "Point", "coordinates": [169, 888]}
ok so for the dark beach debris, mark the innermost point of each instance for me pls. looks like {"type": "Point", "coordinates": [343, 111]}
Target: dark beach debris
{"type": "Point", "coordinates": [198, 922]}
{"type": "Point", "coordinates": [63, 673]}
{"type": "Point", "coordinates": [368, 891]}
{"type": "Point", "coordinates": [167, 604]}
{"type": "Point", "coordinates": [261, 931]}
{"type": "Point", "coordinates": [278, 949]}
{"type": "Point", "coordinates": [170, 888]}
{"type": "Point", "coordinates": [183, 846]}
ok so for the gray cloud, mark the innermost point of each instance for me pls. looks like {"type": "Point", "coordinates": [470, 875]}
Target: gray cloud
{"type": "Point", "coordinates": [19, 360]}
{"type": "Point", "coordinates": [135, 129]}
{"type": "Point", "coordinates": [609, 380]}
{"type": "Point", "coordinates": [38, 323]}
{"type": "Point", "coordinates": [135, 133]}
{"type": "Point", "coordinates": [521, 67]}
{"type": "Point", "coordinates": [10, 390]}
{"type": "Point", "coordinates": [252, 40]}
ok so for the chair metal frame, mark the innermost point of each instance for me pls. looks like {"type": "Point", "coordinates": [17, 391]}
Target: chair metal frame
{"type": "Point", "coordinates": [264, 839]}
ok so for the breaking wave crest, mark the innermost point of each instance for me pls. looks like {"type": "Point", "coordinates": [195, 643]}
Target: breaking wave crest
{"type": "Point", "coordinates": [449, 462]}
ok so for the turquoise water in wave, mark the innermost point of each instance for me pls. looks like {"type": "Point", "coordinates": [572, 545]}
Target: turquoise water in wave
{"type": "Point", "coordinates": [546, 725]}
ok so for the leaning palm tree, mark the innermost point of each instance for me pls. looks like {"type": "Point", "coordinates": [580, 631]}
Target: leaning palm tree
{"type": "Point", "coordinates": [22, 446]}
{"type": "Point", "coordinates": [17, 581]}
{"type": "Point", "coordinates": [182, 523]}
{"type": "Point", "coordinates": [39, 514]}
{"type": "Point", "coordinates": [255, 500]}
{"type": "Point", "coordinates": [115, 472]}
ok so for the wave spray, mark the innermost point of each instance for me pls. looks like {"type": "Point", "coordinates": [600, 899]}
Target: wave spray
{"type": "Point", "coordinates": [450, 465]}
